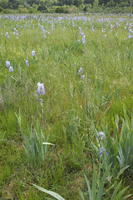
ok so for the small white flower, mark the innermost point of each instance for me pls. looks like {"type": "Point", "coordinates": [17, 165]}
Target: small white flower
{"type": "Point", "coordinates": [82, 76]}
{"type": "Point", "coordinates": [103, 30]}
{"type": "Point", "coordinates": [16, 33]}
{"type": "Point", "coordinates": [130, 31]}
{"type": "Point", "coordinates": [101, 135]}
{"type": "Point", "coordinates": [7, 35]}
{"type": "Point", "coordinates": [11, 69]}
{"type": "Point", "coordinates": [33, 53]}
{"type": "Point", "coordinates": [81, 32]}
{"type": "Point", "coordinates": [7, 63]}
{"type": "Point", "coordinates": [14, 29]}
{"type": "Point", "coordinates": [41, 100]}
{"type": "Point", "coordinates": [40, 89]}
{"type": "Point", "coordinates": [83, 39]}
{"type": "Point", "coordinates": [81, 70]}
{"type": "Point", "coordinates": [27, 62]}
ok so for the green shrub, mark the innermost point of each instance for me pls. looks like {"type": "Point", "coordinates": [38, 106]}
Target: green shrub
{"type": "Point", "coordinates": [8, 11]}
{"type": "Point", "coordinates": [1, 9]}
{"type": "Point", "coordinates": [66, 9]}
{"type": "Point", "coordinates": [32, 9]}
{"type": "Point", "coordinates": [22, 9]}
{"type": "Point", "coordinates": [42, 8]}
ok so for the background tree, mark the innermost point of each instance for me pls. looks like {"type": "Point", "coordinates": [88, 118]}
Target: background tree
{"type": "Point", "coordinates": [13, 4]}
{"type": "Point", "coordinates": [103, 2]}
{"type": "Point", "coordinates": [4, 4]}
{"type": "Point", "coordinates": [78, 2]}
{"type": "Point", "coordinates": [31, 2]}
{"type": "Point", "coordinates": [88, 1]}
{"type": "Point", "coordinates": [43, 4]}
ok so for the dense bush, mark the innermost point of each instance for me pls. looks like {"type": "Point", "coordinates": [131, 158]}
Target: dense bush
{"type": "Point", "coordinates": [1, 9]}
{"type": "Point", "coordinates": [22, 9]}
{"type": "Point", "coordinates": [42, 7]}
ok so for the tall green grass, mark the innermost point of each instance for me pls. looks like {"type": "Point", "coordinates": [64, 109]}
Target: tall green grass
{"type": "Point", "coordinates": [73, 111]}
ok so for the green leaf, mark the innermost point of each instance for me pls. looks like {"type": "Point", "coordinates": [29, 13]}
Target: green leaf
{"type": "Point", "coordinates": [53, 194]}
{"type": "Point", "coordinates": [81, 195]}
{"type": "Point", "coordinates": [122, 171]}
{"type": "Point", "coordinates": [88, 187]}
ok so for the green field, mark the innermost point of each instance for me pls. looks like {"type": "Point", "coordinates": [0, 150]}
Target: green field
{"type": "Point", "coordinates": [76, 137]}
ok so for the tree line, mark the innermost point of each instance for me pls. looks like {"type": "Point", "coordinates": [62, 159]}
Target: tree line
{"type": "Point", "coordinates": [43, 4]}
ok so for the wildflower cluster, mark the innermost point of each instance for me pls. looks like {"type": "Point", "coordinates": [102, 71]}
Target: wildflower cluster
{"type": "Point", "coordinates": [81, 73]}
{"type": "Point", "coordinates": [40, 89]}
{"type": "Point", "coordinates": [101, 136]}
{"type": "Point", "coordinates": [83, 37]}
{"type": "Point", "coordinates": [8, 65]}
{"type": "Point", "coordinates": [130, 33]}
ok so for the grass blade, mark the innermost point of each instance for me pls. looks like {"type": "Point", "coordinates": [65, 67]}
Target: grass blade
{"type": "Point", "coordinates": [53, 194]}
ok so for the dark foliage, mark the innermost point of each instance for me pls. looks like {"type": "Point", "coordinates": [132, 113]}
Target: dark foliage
{"type": "Point", "coordinates": [42, 5]}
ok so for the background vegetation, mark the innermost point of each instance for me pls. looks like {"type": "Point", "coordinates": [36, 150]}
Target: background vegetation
{"type": "Point", "coordinates": [65, 6]}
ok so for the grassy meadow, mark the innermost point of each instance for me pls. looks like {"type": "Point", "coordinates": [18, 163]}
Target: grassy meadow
{"type": "Point", "coordinates": [75, 137]}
